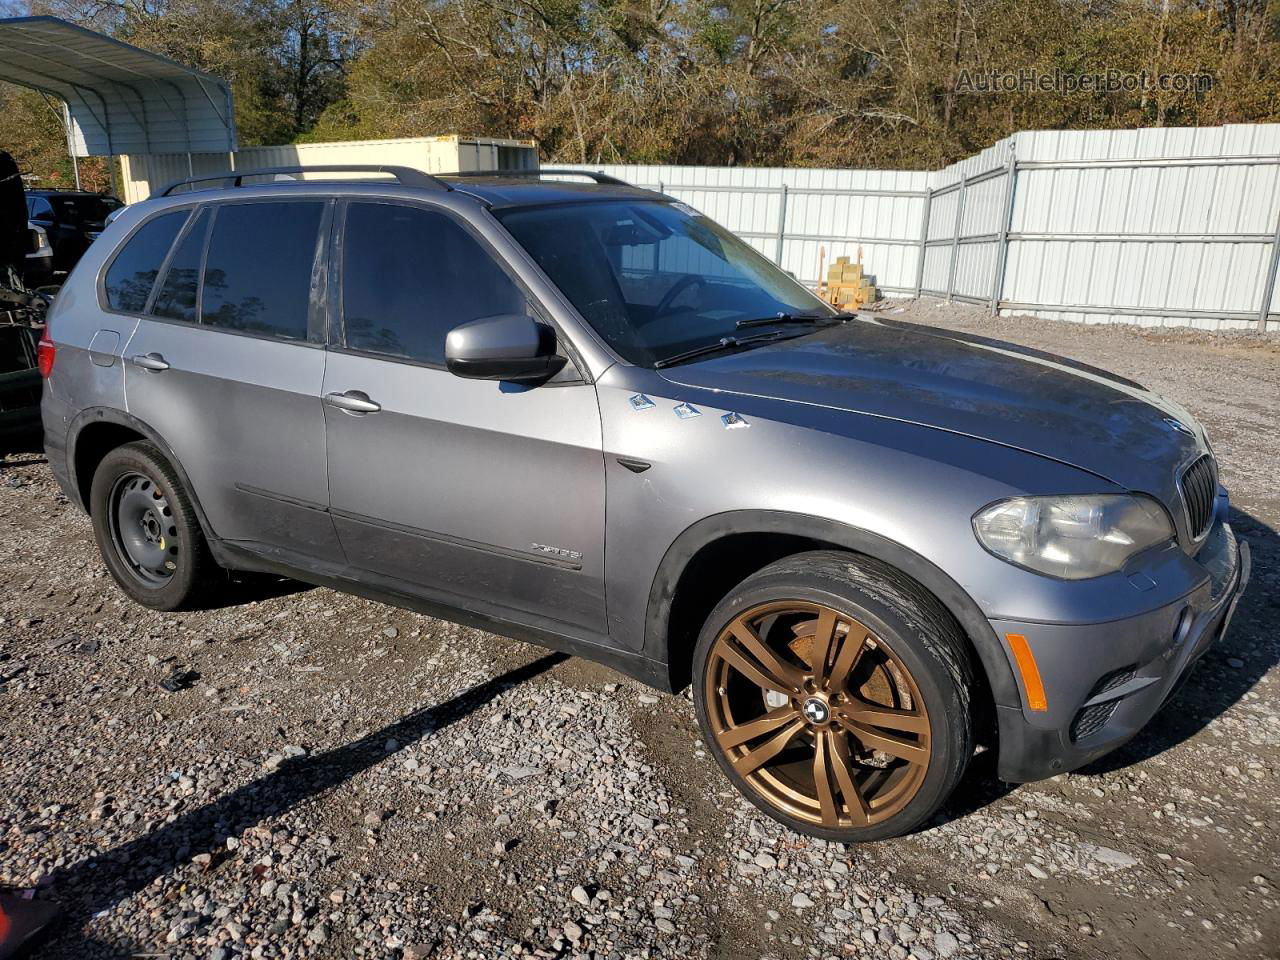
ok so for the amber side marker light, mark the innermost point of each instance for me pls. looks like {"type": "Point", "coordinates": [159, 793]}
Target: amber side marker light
{"type": "Point", "coordinates": [1030, 672]}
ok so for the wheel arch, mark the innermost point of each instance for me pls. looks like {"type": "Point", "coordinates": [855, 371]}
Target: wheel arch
{"type": "Point", "coordinates": [676, 600]}
{"type": "Point", "coordinates": [96, 431]}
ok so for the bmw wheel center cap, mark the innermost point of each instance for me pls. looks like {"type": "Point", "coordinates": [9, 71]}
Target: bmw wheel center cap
{"type": "Point", "coordinates": [816, 710]}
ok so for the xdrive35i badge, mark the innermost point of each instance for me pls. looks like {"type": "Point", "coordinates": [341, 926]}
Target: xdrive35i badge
{"type": "Point", "coordinates": [560, 552]}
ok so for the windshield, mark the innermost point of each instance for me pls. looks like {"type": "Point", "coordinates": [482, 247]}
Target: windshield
{"type": "Point", "coordinates": [656, 279]}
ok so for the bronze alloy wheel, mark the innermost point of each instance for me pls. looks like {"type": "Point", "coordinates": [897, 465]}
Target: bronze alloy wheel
{"type": "Point", "coordinates": [817, 714]}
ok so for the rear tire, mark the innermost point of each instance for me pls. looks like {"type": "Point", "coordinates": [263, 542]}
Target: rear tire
{"type": "Point", "coordinates": [835, 694]}
{"type": "Point", "coordinates": [148, 532]}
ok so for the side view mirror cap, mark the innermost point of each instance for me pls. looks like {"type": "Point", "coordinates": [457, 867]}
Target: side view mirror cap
{"type": "Point", "coordinates": [506, 347]}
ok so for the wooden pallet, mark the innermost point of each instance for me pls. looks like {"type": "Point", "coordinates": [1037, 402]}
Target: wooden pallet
{"type": "Point", "coordinates": [845, 284]}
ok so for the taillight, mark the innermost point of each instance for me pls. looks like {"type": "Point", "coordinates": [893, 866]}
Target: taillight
{"type": "Point", "coordinates": [45, 352]}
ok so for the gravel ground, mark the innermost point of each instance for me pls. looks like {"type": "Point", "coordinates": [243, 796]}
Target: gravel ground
{"type": "Point", "coordinates": [330, 777]}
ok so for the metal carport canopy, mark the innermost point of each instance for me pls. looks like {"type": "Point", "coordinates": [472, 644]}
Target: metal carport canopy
{"type": "Point", "coordinates": [120, 98]}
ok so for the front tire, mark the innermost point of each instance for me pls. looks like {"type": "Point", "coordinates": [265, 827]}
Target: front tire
{"type": "Point", "coordinates": [835, 695]}
{"type": "Point", "coordinates": [147, 530]}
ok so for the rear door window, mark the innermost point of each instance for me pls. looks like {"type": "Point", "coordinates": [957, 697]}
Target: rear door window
{"type": "Point", "coordinates": [410, 275]}
{"type": "Point", "coordinates": [257, 275]}
{"type": "Point", "coordinates": [177, 297]}
{"type": "Point", "coordinates": [132, 273]}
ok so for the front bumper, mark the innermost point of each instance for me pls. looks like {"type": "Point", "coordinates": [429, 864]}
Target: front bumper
{"type": "Point", "coordinates": [1104, 681]}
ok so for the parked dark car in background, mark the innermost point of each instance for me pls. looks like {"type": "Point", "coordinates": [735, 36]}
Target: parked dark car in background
{"type": "Point", "coordinates": [38, 266]}
{"type": "Point", "coordinates": [72, 219]}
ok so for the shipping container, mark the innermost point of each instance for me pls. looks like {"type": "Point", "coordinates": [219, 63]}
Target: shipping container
{"type": "Point", "coordinates": [145, 173]}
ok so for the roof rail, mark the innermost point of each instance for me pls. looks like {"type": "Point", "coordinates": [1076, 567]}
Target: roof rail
{"type": "Point", "coordinates": [405, 176]}
{"type": "Point", "coordinates": [595, 175]}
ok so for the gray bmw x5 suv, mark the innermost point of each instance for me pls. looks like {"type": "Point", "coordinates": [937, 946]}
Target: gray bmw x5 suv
{"type": "Point", "coordinates": [583, 414]}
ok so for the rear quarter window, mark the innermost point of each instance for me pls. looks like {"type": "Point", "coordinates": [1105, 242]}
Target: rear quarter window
{"type": "Point", "coordinates": [128, 281]}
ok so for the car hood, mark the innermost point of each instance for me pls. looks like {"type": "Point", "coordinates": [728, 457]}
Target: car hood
{"type": "Point", "coordinates": [968, 385]}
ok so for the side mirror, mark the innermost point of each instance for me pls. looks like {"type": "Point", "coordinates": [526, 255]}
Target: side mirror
{"type": "Point", "coordinates": [507, 347]}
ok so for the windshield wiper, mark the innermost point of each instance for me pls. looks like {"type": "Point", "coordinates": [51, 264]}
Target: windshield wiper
{"type": "Point", "coordinates": [778, 318]}
{"type": "Point", "coordinates": [724, 343]}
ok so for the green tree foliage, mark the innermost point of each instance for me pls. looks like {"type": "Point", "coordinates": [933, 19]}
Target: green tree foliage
{"type": "Point", "coordinates": [33, 133]}
{"type": "Point", "coordinates": [890, 83]}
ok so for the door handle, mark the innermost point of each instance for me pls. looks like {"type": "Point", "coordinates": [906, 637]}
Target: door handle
{"type": "Point", "coordinates": [150, 361]}
{"type": "Point", "coordinates": [353, 401]}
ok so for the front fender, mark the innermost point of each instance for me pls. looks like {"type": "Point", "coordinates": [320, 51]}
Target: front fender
{"type": "Point", "coordinates": [902, 493]}
{"type": "Point", "coordinates": [706, 532]}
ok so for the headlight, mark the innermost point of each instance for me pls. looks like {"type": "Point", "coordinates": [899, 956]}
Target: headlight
{"type": "Point", "coordinates": [1072, 537]}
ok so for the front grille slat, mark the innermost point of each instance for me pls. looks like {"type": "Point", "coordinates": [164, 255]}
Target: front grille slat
{"type": "Point", "coordinates": [1199, 485]}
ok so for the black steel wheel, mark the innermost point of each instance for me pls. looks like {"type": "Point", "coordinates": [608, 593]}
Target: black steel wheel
{"type": "Point", "coordinates": [148, 531]}
{"type": "Point", "coordinates": [143, 530]}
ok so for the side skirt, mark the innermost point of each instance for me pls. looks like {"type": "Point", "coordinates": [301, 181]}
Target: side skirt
{"type": "Point", "coordinates": [477, 614]}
